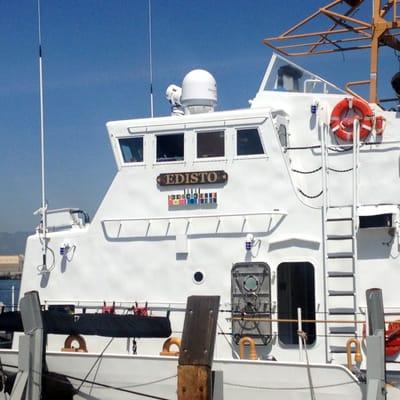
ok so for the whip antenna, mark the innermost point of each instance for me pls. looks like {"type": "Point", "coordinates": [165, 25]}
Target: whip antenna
{"type": "Point", "coordinates": [43, 210]}
{"type": "Point", "coordinates": [150, 63]}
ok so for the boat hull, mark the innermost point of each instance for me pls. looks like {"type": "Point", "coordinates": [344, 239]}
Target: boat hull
{"type": "Point", "coordinates": [157, 376]}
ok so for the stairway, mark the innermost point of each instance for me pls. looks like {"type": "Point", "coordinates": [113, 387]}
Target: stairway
{"type": "Point", "coordinates": [340, 267]}
{"type": "Point", "coordinates": [340, 226]}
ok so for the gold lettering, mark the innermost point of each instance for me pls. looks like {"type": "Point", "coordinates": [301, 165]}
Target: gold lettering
{"type": "Point", "coordinates": [179, 179]}
{"type": "Point", "coordinates": [194, 178]}
{"type": "Point", "coordinates": [203, 176]}
{"type": "Point", "coordinates": [169, 179]}
{"type": "Point", "coordinates": [212, 177]}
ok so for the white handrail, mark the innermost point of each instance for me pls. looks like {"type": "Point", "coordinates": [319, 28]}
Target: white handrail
{"type": "Point", "coordinates": [355, 222]}
{"type": "Point", "coordinates": [325, 200]}
{"type": "Point", "coordinates": [356, 151]}
{"type": "Point", "coordinates": [186, 217]}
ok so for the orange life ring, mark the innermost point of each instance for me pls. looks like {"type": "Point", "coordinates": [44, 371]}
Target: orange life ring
{"type": "Point", "coordinates": [346, 112]}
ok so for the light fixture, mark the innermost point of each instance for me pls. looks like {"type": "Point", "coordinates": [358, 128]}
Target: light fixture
{"type": "Point", "coordinates": [249, 241]}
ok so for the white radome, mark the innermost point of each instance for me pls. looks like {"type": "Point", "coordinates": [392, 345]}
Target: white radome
{"type": "Point", "coordinates": [199, 88]}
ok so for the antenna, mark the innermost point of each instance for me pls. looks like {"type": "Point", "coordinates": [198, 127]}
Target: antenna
{"type": "Point", "coordinates": [151, 63]}
{"type": "Point", "coordinates": [43, 209]}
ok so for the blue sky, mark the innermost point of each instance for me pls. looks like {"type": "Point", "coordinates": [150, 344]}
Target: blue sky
{"type": "Point", "coordinates": [96, 70]}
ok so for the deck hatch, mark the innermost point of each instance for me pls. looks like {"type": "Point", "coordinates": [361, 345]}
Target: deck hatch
{"type": "Point", "coordinates": [251, 297]}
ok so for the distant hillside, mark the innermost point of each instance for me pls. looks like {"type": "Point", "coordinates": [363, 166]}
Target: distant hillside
{"type": "Point", "coordinates": [13, 243]}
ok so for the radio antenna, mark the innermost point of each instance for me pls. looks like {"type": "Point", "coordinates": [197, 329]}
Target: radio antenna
{"type": "Point", "coordinates": [150, 63]}
{"type": "Point", "coordinates": [43, 210]}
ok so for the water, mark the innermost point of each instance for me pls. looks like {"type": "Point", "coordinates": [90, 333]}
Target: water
{"type": "Point", "coordinates": [6, 292]}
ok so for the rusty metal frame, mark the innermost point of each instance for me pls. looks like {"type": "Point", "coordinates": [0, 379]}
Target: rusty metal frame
{"type": "Point", "coordinates": [344, 33]}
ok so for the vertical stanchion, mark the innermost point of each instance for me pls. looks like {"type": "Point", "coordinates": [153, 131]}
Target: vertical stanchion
{"type": "Point", "coordinates": [12, 298]}
{"type": "Point", "coordinates": [375, 346]}
{"type": "Point", "coordinates": [299, 329]}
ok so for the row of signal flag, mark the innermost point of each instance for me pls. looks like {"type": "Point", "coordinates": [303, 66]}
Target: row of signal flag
{"type": "Point", "coordinates": [193, 197]}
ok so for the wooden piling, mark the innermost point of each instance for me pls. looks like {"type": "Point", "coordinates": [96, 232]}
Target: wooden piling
{"type": "Point", "coordinates": [197, 348]}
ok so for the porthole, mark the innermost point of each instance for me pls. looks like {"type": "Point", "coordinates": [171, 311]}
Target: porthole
{"type": "Point", "coordinates": [198, 277]}
{"type": "Point", "coordinates": [250, 283]}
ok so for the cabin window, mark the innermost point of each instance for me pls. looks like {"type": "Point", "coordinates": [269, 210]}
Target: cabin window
{"type": "Point", "coordinates": [210, 144]}
{"type": "Point", "coordinates": [170, 147]}
{"type": "Point", "coordinates": [283, 136]}
{"type": "Point", "coordinates": [296, 289]}
{"type": "Point", "coordinates": [376, 221]}
{"type": "Point", "coordinates": [132, 149]}
{"type": "Point", "coordinates": [248, 142]}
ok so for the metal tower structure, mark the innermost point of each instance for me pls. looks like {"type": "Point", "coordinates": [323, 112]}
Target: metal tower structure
{"type": "Point", "coordinates": [344, 32]}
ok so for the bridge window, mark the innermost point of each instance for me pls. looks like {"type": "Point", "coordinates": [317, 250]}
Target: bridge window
{"type": "Point", "coordinates": [170, 147]}
{"type": "Point", "coordinates": [132, 149]}
{"type": "Point", "coordinates": [296, 289]}
{"type": "Point", "coordinates": [210, 144]}
{"type": "Point", "coordinates": [248, 142]}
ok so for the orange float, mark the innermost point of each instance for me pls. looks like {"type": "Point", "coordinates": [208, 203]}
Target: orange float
{"type": "Point", "coordinates": [346, 112]}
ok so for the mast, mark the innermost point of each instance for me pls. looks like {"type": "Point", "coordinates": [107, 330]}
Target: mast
{"type": "Point", "coordinates": [381, 35]}
{"type": "Point", "coordinates": [345, 32]}
{"type": "Point", "coordinates": [43, 267]}
{"type": "Point", "coordinates": [151, 62]}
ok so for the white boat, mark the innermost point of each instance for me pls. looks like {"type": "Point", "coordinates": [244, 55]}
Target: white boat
{"type": "Point", "coordinates": [287, 210]}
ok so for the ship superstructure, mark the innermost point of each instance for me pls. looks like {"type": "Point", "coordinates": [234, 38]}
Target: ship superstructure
{"type": "Point", "coordinates": [285, 212]}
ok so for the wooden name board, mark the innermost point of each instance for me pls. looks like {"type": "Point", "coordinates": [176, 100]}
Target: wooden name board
{"type": "Point", "coordinates": [192, 178]}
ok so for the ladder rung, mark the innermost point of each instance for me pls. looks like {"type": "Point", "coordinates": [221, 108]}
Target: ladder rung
{"type": "Point", "coordinates": [339, 237]}
{"type": "Point", "coordinates": [341, 349]}
{"type": "Point", "coordinates": [341, 311]}
{"type": "Point", "coordinates": [339, 219]}
{"type": "Point", "coordinates": [340, 255]}
{"type": "Point", "coordinates": [342, 330]}
{"type": "Point", "coordinates": [340, 274]}
{"type": "Point", "coordinates": [341, 293]}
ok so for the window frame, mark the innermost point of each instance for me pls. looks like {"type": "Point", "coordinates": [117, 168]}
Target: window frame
{"type": "Point", "coordinates": [121, 155]}
{"type": "Point", "coordinates": [248, 156]}
{"type": "Point", "coordinates": [211, 130]}
{"type": "Point", "coordinates": [154, 149]}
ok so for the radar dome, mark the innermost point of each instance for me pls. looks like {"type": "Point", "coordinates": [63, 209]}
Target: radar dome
{"type": "Point", "coordinates": [199, 92]}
